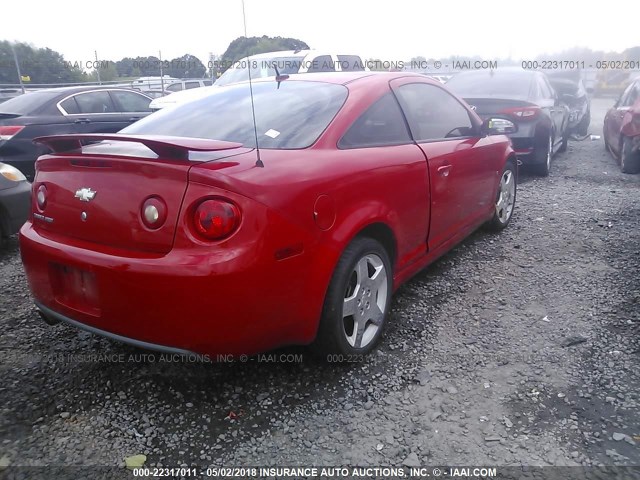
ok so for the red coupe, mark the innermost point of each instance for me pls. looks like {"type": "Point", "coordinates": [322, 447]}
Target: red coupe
{"type": "Point", "coordinates": [178, 234]}
{"type": "Point", "coordinates": [622, 129]}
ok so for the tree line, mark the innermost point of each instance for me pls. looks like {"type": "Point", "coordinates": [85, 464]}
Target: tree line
{"type": "Point", "coordinates": [43, 65]}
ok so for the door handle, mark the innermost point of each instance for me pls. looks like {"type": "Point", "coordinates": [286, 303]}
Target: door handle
{"type": "Point", "coordinates": [82, 120]}
{"type": "Point", "coordinates": [444, 170]}
{"type": "Point", "coordinates": [134, 119]}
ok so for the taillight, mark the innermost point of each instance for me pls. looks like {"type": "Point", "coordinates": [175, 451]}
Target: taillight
{"type": "Point", "coordinates": [8, 131]}
{"type": "Point", "coordinates": [216, 219]}
{"type": "Point", "coordinates": [153, 212]}
{"type": "Point", "coordinates": [522, 113]}
{"type": "Point", "coordinates": [41, 197]}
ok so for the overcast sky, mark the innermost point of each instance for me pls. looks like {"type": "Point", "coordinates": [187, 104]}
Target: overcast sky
{"type": "Point", "coordinates": [391, 30]}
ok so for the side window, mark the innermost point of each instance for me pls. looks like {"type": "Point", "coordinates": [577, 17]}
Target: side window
{"type": "Point", "coordinates": [188, 85]}
{"type": "Point", "coordinates": [70, 106]}
{"type": "Point", "coordinates": [545, 89]}
{"type": "Point", "coordinates": [207, 83]}
{"type": "Point", "coordinates": [631, 96]}
{"type": "Point", "coordinates": [382, 124]}
{"type": "Point", "coordinates": [536, 92]}
{"type": "Point", "coordinates": [174, 87]}
{"type": "Point", "coordinates": [433, 113]}
{"type": "Point", "coordinates": [351, 63]}
{"type": "Point", "coordinates": [95, 102]}
{"type": "Point", "coordinates": [323, 63]}
{"type": "Point", "coordinates": [130, 101]}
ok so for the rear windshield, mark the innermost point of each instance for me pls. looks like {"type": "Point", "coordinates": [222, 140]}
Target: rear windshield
{"type": "Point", "coordinates": [28, 103]}
{"type": "Point", "coordinates": [491, 83]}
{"type": "Point", "coordinates": [564, 86]}
{"type": "Point", "coordinates": [288, 116]}
{"type": "Point", "coordinates": [260, 68]}
{"type": "Point", "coordinates": [351, 63]}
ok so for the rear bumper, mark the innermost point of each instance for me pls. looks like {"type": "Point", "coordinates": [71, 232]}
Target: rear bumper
{"type": "Point", "coordinates": [15, 205]}
{"type": "Point", "coordinates": [208, 302]}
{"type": "Point", "coordinates": [119, 338]}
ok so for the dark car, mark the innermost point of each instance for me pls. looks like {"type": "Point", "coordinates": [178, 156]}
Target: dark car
{"type": "Point", "coordinates": [526, 98]}
{"type": "Point", "coordinates": [15, 200]}
{"type": "Point", "coordinates": [9, 93]}
{"type": "Point", "coordinates": [622, 129]}
{"type": "Point", "coordinates": [63, 110]}
{"type": "Point", "coordinates": [569, 86]}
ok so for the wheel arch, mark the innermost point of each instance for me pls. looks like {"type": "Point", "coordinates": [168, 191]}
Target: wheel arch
{"type": "Point", "coordinates": [382, 233]}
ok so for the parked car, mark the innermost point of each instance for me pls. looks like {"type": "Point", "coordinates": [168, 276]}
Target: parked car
{"type": "Point", "coordinates": [188, 84]}
{"type": "Point", "coordinates": [526, 98]}
{"type": "Point", "coordinates": [9, 93]}
{"type": "Point", "coordinates": [153, 94]}
{"type": "Point", "coordinates": [269, 65]}
{"type": "Point", "coordinates": [218, 247]}
{"type": "Point", "coordinates": [63, 110]}
{"type": "Point", "coordinates": [15, 200]}
{"type": "Point", "coordinates": [622, 129]}
{"type": "Point", "coordinates": [571, 90]}
{"type": "Point", "coordinates": [153, 83]}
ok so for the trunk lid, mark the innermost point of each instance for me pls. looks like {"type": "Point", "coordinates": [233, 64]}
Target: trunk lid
{"type": "Point", "coordinates": [96, 194]}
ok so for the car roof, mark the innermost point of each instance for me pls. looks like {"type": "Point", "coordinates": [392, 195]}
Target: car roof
{"type": "Point", "coordinates": [86, 88]}
{"type": "Point", "coordinates": [35, 100]}
{"type": "Point", "coordinates": [498, 71]}
{"type": "Point", "coordinates": [343, 78]}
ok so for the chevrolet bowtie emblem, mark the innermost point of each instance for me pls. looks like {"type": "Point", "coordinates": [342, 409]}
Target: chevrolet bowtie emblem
{"type": "Point", "coordinates": [85, 194]}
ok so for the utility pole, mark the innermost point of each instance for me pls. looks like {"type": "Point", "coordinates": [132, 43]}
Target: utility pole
{"type": "Point", "coordinates": [97, 67]}
{"type": "Point", "coordinates": [161, 71]}
{"type": "Point", "coordinates": [15, 59]}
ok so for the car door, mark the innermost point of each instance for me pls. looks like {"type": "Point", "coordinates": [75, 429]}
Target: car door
{"type": "Point", "coordinates": [93, 112]}
{"type": "Point", "coordinates": [615, 116]}
{"type": "Point", "coordinates": [463, 166]}
{"type": "Point", "coordinates": [132, 106]}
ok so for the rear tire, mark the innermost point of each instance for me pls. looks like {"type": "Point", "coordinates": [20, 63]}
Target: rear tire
{"type": "Point", "coordinates": [357, 302]}
{"type": "Point", "coordinates": [542, 154]}
{"type": "Point", "coordinates": [565, 142]}
{"type": "Point", "coordinates": [505, 199]}
{"type": "Point", "coordinates": [629, 160]}
{"type": "Point", "coordinates": [582, 128]}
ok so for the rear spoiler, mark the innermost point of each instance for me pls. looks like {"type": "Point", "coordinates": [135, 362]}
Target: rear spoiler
{"type": "Point", "coordinates": [174, 148]}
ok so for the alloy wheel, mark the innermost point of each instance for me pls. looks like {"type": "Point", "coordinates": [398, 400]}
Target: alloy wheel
{"type": "Point", "coordinates": [365, 301]}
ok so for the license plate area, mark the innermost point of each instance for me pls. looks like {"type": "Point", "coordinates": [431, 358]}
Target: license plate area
{"type": "Point", "coordinates": [75, 288]}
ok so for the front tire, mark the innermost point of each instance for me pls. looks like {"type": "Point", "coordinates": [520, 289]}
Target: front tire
{"type": "Point", "coordinates": [357, 302]}
{"type": "Point", "coordinates": [505, 199]}
{"type": "Point", "coordinates": [629, 160]}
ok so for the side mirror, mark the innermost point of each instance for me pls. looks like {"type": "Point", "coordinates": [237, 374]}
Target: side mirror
{"type": "Point", "coordinates": [498, 126]}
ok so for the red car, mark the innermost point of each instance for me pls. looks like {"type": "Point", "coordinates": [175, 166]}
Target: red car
{"type": "Point", "coordinates": [622, 129]}
{"type": "Point", "coordinates": [177, 234]}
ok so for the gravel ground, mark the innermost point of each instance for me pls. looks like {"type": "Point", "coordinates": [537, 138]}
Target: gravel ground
{"type": "Point", "coordinates": [516, 349]}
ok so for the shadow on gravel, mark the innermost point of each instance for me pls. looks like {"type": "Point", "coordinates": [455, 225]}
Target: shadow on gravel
{"type": "Point", "coordinates": [8, 247]}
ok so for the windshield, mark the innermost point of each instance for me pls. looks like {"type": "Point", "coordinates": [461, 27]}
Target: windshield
{"type": "Point", "coordinates": [491, 83]}
{"type": "Point", "coordinates": [260, 68]}
{"type": "Point", "coordinates": [289, 115]}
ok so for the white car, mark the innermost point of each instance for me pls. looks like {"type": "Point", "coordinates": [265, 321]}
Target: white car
{"type": "Point", "coordinates": [264, 65]}
{"type": "Point", "coordinates": [153, 83]}
{"type": "Point", "coordinates": [188, 84]}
